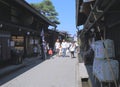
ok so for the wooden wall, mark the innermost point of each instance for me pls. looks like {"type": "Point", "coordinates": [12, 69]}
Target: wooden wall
{"type": "Point", "coordinates": [4, 47]}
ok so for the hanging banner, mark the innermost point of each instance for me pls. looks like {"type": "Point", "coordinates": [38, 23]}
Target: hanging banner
{"type": "Point", "coordinates": [42, 34]}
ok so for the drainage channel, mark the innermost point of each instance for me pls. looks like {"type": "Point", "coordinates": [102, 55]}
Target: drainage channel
{"type": "Point", "coordinates": [85, 82]}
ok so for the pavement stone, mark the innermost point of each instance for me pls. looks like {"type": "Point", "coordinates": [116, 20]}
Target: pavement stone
{"type": "Point", "coordinates": [54, 72]}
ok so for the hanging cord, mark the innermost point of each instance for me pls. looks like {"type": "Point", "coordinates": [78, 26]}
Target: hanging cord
{"type": "Point", "coordinates": [106, 52]}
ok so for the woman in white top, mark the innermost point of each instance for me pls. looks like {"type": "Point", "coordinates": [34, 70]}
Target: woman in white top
{"type": "Point", "coordinates": [57, 46]}
{"type": "Point", "coordinates": [60, 50]}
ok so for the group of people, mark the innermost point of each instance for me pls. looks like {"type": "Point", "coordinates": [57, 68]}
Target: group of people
{"type": "Point", "coordinates": [62, 48]}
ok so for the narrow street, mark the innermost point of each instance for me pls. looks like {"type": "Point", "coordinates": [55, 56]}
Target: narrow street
{"type": "Point", "coordinates": [33, 32]}
{"type": "Point", "coordinates": [54, 72]}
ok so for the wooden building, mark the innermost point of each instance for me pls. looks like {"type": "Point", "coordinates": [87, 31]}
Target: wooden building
{"type": "Point", "coordinates": [101, 20]}
{"type": "Point", "coordinates": [21, 25]}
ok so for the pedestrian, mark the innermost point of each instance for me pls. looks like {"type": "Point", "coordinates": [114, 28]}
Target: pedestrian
{"type": "Point", "coordinates": [72, 49]}
{"type": "Point", "coordinates": [64, 47]}
{"type": "Point", "coordinates": [60, 50]}
{"type": "Point", "coordinates": [67, 47]}
{"type": "Point", "coordinates": [47, 45]}
{"type": "Point", "coordinates": [50, 52]}
{"type": "Point", "coordinates": [47, 48]}
{"type": "Point", "coordinates": [77, 46]}
{"type": "Point", "coordinates": [44, 49]}
{"type": "Point", "coordinates": [35, 50]}
{"type": "Point", "coordinates": [57, 46]}
{"type": "Point", "coordinates": [39, 50]}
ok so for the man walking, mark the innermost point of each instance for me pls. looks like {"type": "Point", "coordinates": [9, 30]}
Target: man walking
{"type": "Point", "coordinates": [64, 46]}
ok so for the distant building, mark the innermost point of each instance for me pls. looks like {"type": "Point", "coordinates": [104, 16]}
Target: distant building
{"type": "Point", "coordinates": [75, 37]}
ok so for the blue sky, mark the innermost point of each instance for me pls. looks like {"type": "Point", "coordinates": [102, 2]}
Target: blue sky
{"type": "Point", "coordinates": [66, 11]}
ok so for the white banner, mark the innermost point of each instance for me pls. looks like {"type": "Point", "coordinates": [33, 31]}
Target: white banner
{"type": "Point", "coordinates": [42, 34]}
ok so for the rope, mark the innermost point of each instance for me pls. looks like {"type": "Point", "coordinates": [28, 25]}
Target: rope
{"type": "Point", "coordinates": [106, 52]}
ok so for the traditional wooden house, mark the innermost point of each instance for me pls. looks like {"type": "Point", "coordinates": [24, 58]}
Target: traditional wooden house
{"type": "Point", "coordinates": [101, 20]}
{"type": "Point", "coordinates": [20, 27]}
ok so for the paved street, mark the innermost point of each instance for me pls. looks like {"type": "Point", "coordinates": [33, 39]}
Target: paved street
{"type": "Point", "coordinates": [56, 72]}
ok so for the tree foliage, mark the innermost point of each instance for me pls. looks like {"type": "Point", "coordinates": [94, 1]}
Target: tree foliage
{"type": "Point", "coordinates": [47, 9]}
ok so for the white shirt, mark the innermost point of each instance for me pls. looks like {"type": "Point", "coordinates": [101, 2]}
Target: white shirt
{"type": "Point", "coordinates": [72, 47]}
{"type": "Point", "coordinates": [68, 44]}
{"type": "Point", "coordinates": [64, 45]}
{"type": "Point", "coordinates": [57, 45]}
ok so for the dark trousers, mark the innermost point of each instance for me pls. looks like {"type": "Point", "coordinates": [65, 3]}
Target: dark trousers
{"type": "Point", "coordinates": [72, 53]}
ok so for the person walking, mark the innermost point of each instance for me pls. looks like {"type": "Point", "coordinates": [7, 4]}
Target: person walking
{"type": "Point", "coordinates": [44, 49]}
{"type": "Point", "coordinates": [60, 51]}
{"type": "Point", "coordinates": [50, 53]}
{"type": "Point", "coordinates": [64, 46]}
{"type": "Point", "coordinates": [57, 46]}
{"type": "Point", "coordinates": [67, 47]}
{"type": "Point", "coordinates": [39, 50]}
{"type": "Point", "coordinates": [77, 46]}
{"type": "Point", "coordinates": [35, 50]}
{"type": "Point", "coordinates": [72, 49]}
